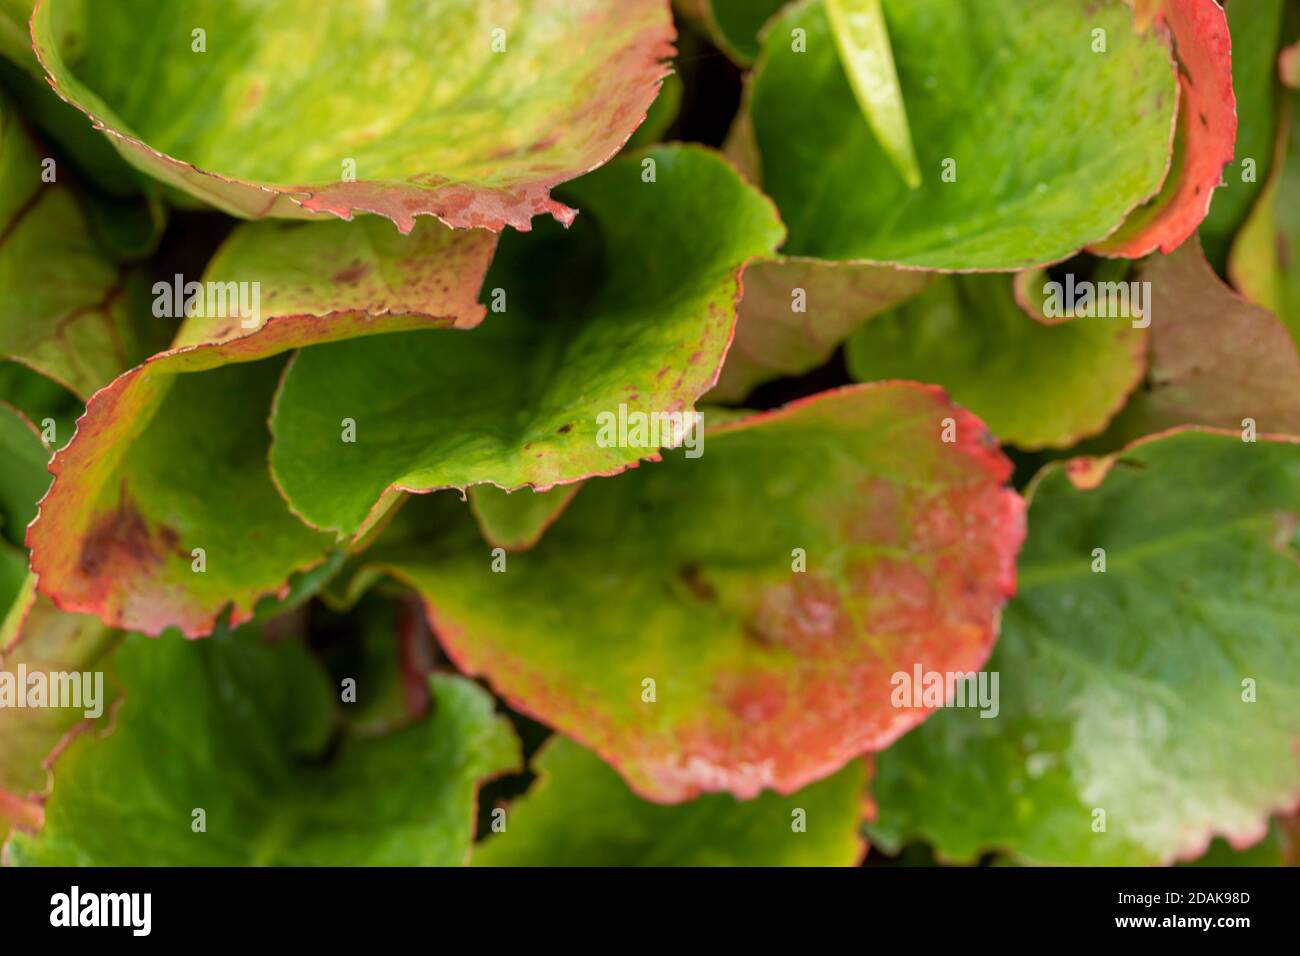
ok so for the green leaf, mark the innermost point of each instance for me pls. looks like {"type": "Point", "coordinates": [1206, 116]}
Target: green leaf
{"type": "Point", "coordinates": [455, 110]}
{"type": "Point", "coordinates": [580, 813]}
{"type": "Point", "coordinates": [635, 309]}
{"type": "Point", "coordinates": [13, 574]}
{"type": "Point", "coordinates": [24, 80]}
{"type": "Point", "coordinates": [863, 40]}
{"type": "Point", "coordinates": [1263, 257]}
{"type": "Point", "coordinates": [117, 532]}
{"type": "Point", "coordinates": [41, 401]}
{"type": "Point", "coordinates": [35, 637]}
{"type": "Point", "coordinates": [15, 38]}
{"type": "Point", "coordinates": [687, 575]}
{"type": "Point", "coordinates": [1037, 386]}
{"type": "Point", "coordinates": [241, 729]}
{"type": "Point", "coordinates": [663, 113]}
{"type": "Point", "coordinates": [24, 478]}
{"type": "Point", "coordinates": [1125, 690]}
{"type": "Point", "coordinates": [67, 309]}
{"type": "Point", "coordinates": [1273, 850]}
{"type": "Point", "coordinates": [48, 641]}
{"type": "Point", "coordinates": [1256, 29]}
{"type": "Point", "coordinates": [517, 521]}
{"type": "Point", "coordinates": [385, 647]}
{"type": "Point", "coordinates": [733, 25]}
{"type": "Point", "coordinates": [141, 489]}
{"type": "Point", "coordinates": [1091, 138]}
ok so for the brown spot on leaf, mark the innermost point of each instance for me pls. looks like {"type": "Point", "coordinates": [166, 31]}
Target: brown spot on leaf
{"type": "Point", "coordinates": [352, 274]}
{"type": "Point", "coordinates": [122, 537]}
{"type": "Point", "coordinates": [693, 578]}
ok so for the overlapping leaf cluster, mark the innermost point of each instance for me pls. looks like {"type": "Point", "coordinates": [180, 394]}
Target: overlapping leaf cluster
{"type": "Point", "coordinates": [452, 240]}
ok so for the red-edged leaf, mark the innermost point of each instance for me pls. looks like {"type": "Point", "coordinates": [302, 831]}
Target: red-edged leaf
{"type": "Point", "coordinates": [733, 622]}
{"type": "Point", "coordinates": [468, 112]}
{"type": "Point", "coordinates": [165, 462]}
{"type": "Point", "coordinates": [1207, 133]}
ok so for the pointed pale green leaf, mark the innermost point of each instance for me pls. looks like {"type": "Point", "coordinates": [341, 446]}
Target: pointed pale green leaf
{"type": "Point", "coordinates": [731, 622]}
{"type": "Point", "coordinates": [863, 39]}
{"type": "Point", "coordinates": [1264, 256]}
{"type": "Point", "coordinates": [1037, 386]}
{"type": "Point", "coordinates": [1090, 140]}
{"type": "Point", "coordinates": [242, 730]}
{"type": "Point", "coordinates": [466, 110]}
{"type": "Point", "coordinates": [632, 310]}
{"type": "Point", "coordinates": [1160, 691]}
{"type": "Point", "coordinates": [580, 813]}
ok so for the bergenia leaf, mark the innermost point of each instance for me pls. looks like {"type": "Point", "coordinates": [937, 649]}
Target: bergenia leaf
{"type": "Point", "coordinates": [1037, 386]}
{"type": "Point", "coordinates": [1207, 131]}
{"type": "Point", "coordinates": [239, 731]}
{"type": "Point", "coordinates": [517, 521]}
{"type": "Point", "coordinates": [117, 533]}
{"type": "Point", "coordinates": [148, 539]}
{"type": "Point", "coordinates": [1145, 707]}
{"type": "Point", "coordinates": [663, 113]}
{"type": "Point", "coordinates": [578, 812]}
{"type": "Point", "coordinates": [47, 405]}
{"type": "Point", "coordinates": [731, 622]}
{"type": "Point", "coordinates": [1264, 254]}
{"type": "Point", "coordinates": [994, 195]}
{"type": "Point", "coordinates": [389, 656]}
{"type": "Point", "coordinates": [733, 25]}
{"type": "Point", "coordinates": [24, 478]}
{"type": "Point", "coordinates": [863, 40]}
{"type": "Point", "coordinates": [469, 113]}
{"type": "Point", "coordinates": [1216, 359]}
{"type": "Point", "coordinates": [797, 311]}
{"type": "Point", "coordinates": [1256, 30]}
{"type": "Point", "coordinates": [67, 309]}
{"type": "Point", "coordinates": [36, 638]}
{"type": "Point", "coordinates": [1039, 293]}
{"type": "Point", "coordinates": [15, 41]}
{"type": "Point", "coordinates": [1274, 850]}
{"type": "Point", "coordinates": [13, 574]}
{"type": "Point", "coordinates": [629, 315]}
